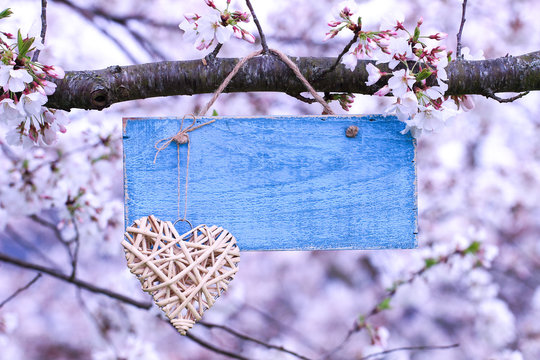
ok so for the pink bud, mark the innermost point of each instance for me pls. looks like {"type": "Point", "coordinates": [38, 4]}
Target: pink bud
{"type": "Point", "coordinates": [331, 34]}
{"type": "Point", "coordinates": [237, 32]}
{"type": "Point", "coordinates": [467, 103]}
{"type": "Point", "coordinates": [210, 3]}
{"type": "Point", "coordinates": [248, 37]}
{"type": "Point", "coordinates": [399, 26]}
{"type": "Point", "coordinates": [383, 91]}
{"type": "Point", "coordinates": [191, 17]}
{"type": "Point", "coordinates": [334, 23]}
{"type": "Point", "coordinates": [201, 46]}
{"type": "Point", "coordinates": [420, 21]}
{"type": "Point", "coordinates": [54, 71]}
{"type": "Point", "coordinates": [439, 36]}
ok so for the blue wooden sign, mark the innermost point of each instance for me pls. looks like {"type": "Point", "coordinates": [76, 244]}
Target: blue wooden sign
{"type": "Point", "coordinates": [280, 183]}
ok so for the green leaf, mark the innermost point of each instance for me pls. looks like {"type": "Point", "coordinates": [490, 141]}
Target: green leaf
{"type": "Point", "coordinates": [416, 34]}
{"type": "Point", "coordinates": [424, 74]}
{"type": "Point", "coordinates": [429, 262]}
{"type": "Point", "coordinates": [214, 113]}
{"type": "Point", "coordinates": [27, 44]}
{"type": "Point", "coordinates": [384, 305]}
{"type": "Point", "coordinates": [473, 248]}
{"type": "Point", "coordinates": [5, 13]}
{"type": "Point", "coordinates": [19, 39]}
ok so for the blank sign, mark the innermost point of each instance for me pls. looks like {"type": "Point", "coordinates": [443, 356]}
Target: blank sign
{"type": "Point", "coordinates": [280, 183]}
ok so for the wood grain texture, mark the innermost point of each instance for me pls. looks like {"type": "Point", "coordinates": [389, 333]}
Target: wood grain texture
{"type": "Point", "coordinates": [280, 183]}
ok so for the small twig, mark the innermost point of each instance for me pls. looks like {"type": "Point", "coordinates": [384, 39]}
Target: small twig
{"type": "Point", "coordinates": [284, 327]}
{"type": "Point", "coordinates": [20, 290]}
{"type": "Point", "coordinates": [410, 348]}
{"type": "Point", "coordinates": [75, 254]}
{"type": "Point", "coordinates": [259, 27]}
{"type": "Point", "coordinates": [77, 282]}
{"type": "Point", "coordinates": [490, 94]}
{"type": "Point", "coordinates": [49, 225]}
{"type": "Point", "coordinates": [302, 98]}
{"type": "Point", "coordinates": [458, 46]}
{"type": "Point", "coordinates": [210, 57]}
{"type": "Point", "coordinates": [12, 235]}
{"type": "Point", "coordinates": [43, 28]}
{"type": "Point", "coordinates": [251, 339]}
{"type": "Point", "coordinates": [72, 254]}
{"type": "Point", "coordinates": [214, 348]}
{"type": "Point", "coordinates": [345, 50]}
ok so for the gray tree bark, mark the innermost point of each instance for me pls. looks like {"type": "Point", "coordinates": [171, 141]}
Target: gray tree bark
{"type": "Point", "coordinates": [98, 89]}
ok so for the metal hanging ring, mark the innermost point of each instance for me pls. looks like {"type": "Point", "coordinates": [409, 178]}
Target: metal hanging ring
{"type": "Point", "coordinates": [184, 220]}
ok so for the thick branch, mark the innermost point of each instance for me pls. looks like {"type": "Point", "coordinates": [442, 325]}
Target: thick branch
{"type": "Point", "coordinates": [101, 88]}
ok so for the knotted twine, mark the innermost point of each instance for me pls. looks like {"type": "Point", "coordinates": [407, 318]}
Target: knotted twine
{"type": "Point", "coordinates": [186, 273]}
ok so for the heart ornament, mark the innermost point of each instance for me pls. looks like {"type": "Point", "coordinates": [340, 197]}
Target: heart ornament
{"type": "Point", "coordinates": [186, 273]}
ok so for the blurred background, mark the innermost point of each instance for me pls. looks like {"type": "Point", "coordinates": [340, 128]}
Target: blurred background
{"type": "Point", "coordinates": [478, 182]}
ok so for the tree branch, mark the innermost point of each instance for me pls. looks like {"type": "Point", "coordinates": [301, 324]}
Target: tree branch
{"type": "Point", "coordinates": [99, 89]}
{"type": "Point", "coordinates": [251, 339]}
{"type": "Point", "coordinates": [409, 348]}
{"type": "Point", "coordinates": [43, 28]}
{"type": "Point", "coordinates": [213, 348]}
{"type": "Point", "coordinates": [77, 282]}
{"type": "Point", "coordinates": [340, 56]}
{"type": "Point", "coordinates": [460, 32]}
{"type": "Point", "coordinates": [20, 290]}
{"type": "Point", "coordinates": [491, 95]}
{"type": "Point", "coordinates": [259, 27]}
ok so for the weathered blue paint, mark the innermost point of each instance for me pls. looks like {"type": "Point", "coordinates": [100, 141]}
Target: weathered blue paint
{"type": "Point", "coordinates": [280, 183]}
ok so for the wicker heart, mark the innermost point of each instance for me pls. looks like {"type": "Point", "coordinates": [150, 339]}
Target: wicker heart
{"type": "Point", "coordinates": [186, 273]}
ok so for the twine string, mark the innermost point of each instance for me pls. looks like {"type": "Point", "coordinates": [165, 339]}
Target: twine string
{"type": "Point", "coordinates": [182, 136]}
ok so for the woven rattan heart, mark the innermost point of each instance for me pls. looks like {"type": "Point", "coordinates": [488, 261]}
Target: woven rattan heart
{"type": "Point", "coordinates": [186, 273]}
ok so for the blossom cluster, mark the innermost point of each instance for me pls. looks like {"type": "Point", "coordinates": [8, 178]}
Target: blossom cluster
{"type": "Point", "coordinates": [215, 27]}
{"type": "Point", "coordinates": [412, 59]}
{"type": "Point", "coordinates": [25, 87]}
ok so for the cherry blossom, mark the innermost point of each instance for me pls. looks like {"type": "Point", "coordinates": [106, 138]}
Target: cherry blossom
{"type": "Point", "coordinates": [401, 82]}
{"type": "Point", "coordinates": [14, 80]}
{"type": "Point", "coordinates": [216, 27]}
{"type": "Point", "coordinates": [25, 90]}
{"type": "Point", "coordinates": [374, 74]}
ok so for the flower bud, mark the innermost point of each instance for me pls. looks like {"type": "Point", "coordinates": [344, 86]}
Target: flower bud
{"type": "Point", "coordinates": [248, 37]}
{"type": "Point", "coordinates": [191, 17]}
{"type": "Point", "coordinates": [210, 3]}
{"type": "Point", "coordinates": [439, 36]}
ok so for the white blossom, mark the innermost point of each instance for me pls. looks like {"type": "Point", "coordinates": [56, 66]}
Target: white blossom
{"type": "Point", "coordinates": [496, 323]}
{"type": "Point", "coordinates": [9, 111]}
{"type": "Point", "coordinates": [14, 80]}
{"type": "Point", "coordinates": [401, 82]}
{"type": "Point", "coordinates": [374, 74]}
{"type": "Point", "coordinates": [350, 61]}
